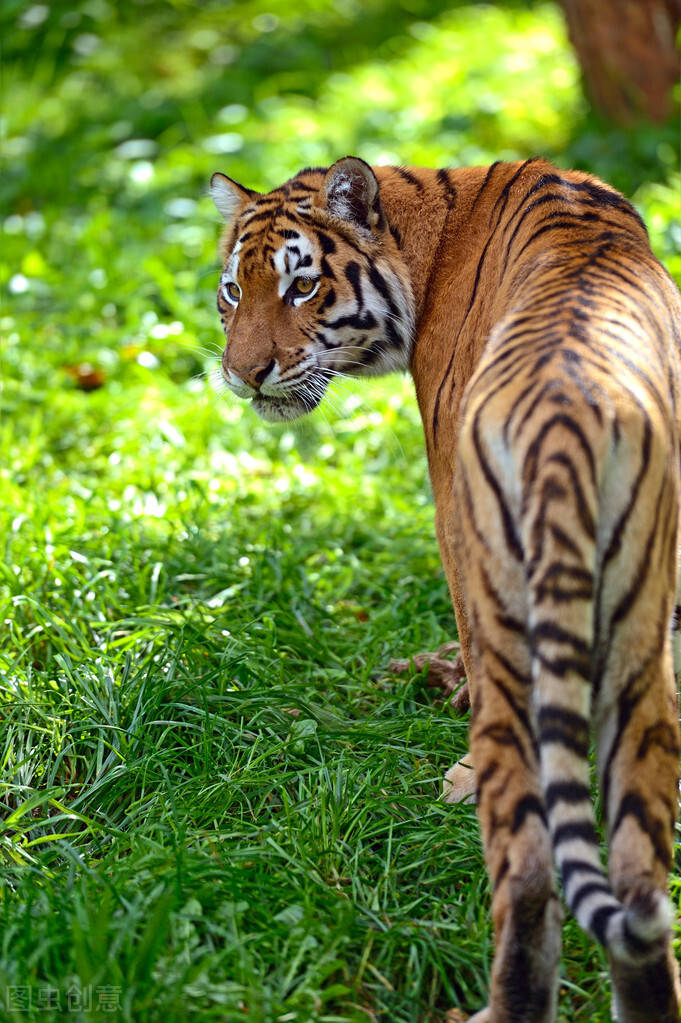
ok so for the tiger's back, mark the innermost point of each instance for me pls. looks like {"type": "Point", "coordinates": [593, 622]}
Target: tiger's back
{"type": "Point", "coordinates": [544, 341]}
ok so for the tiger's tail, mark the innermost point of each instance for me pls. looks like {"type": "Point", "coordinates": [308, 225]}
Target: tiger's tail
{"type": "Point", "coordinates": [565, 597]}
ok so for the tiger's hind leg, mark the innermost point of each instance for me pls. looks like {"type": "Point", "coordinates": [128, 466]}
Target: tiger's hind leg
{"type": "Point", "coordinates": [637, 724]}
{"type": "Point", "coordinates": [640, 787]}
{"type": "Point", "coordinates": [525, 906]}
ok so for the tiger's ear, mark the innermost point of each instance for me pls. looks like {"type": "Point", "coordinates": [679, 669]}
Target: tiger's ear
{"type": "Point", "coordinates": [350, 192]}
{"type": "Point", "coordinates": [228, 196]}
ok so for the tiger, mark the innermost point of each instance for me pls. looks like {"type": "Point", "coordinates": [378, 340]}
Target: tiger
{"type": "Point", "coordinates": [544, 342]}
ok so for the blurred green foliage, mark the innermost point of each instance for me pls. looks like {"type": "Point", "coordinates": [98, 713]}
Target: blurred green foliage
{"type": "Point", "coordinates": [115, 114]}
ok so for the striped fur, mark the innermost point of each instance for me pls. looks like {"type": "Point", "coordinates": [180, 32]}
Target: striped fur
{"type": "Point", "coordinates": [544, 340]}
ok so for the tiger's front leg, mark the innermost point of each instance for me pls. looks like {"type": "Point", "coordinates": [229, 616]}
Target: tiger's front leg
{"type": "Point", "coordinates": [459, 783]}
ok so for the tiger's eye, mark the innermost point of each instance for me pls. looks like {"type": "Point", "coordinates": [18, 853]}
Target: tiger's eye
{"type": "Point", "coordinates": [233, 291]}
{"type": "Point", "coordinates": [305, 285]}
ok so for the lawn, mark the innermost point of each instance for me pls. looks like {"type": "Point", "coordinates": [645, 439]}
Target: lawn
{"type": "Point", "coordinates": [217, 803]}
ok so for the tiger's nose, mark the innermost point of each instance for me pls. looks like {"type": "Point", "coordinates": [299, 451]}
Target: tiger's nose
{"type": "Point", "coordinates": [256, 375]}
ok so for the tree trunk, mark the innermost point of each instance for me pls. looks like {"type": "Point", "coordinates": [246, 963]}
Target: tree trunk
{"type": "Point", "coordinates": [627, 50]}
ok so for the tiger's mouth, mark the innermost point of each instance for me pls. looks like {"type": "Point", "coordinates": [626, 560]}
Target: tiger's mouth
{"type": "Point", "coordinates": [292, 400]}
{"type": "Point", "coordinates": [281, 408]}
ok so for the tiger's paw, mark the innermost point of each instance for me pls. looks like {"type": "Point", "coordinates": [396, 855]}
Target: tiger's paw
{"type": "Point", "coordinates": [444, 674]}
{"type": "Point", "coordinates": [459, 782]}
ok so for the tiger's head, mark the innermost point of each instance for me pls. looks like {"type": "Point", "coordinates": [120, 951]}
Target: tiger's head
{"type": "Point", "coordinates": [313, 285]}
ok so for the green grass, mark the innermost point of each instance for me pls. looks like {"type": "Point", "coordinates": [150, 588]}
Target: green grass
{"type": "Point", "coordinates": [216, 802]}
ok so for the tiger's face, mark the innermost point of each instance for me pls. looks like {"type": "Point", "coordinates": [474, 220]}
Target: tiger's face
{"type": "Point", "coordinates": [312, 286]}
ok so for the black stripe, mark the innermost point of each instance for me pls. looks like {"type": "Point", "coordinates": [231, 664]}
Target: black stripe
{"type": "Point", "coordinates": [570, 792]}
{"type": "Point", "coordinates": [361, 322]}
{"type": "Point", "coordinates": [512, 624]}
{"type": "Point", "coordinates": [517, 355]}
{"type": "Point", "coordinates": [556, 724]}
{"type": "Point", "coordinates": [587, 889]}
{"type": "Point", "coordinates": [576, 866]}
{"type": "Point", "coordinates": [572, 572]}
{"type": "Point", "coordinates": [303, 188]}
{"type": "Point", "coordinates": [486, 775]}
{"type": "Point", "coordinates": [563, 540]}
{"type": "Point", "coordinates": [506, 190]}
{"type": "Point", "coordinates": [578, 217]}
{"type": "Point", "coordinates": [584, 512]}
{"type": "Point", "coordinates": [382, 288]}
{"type": "Point", "coordinates": [408, 176]}
{"type": "Point", "coordinates": [661, 735]}
{"type": "Point", "coordinates": [617, 271]}
{"type": "Point", "coordinates": [265, 214]}
{"type": "Point", "coordinates": [295, 180]}
{"type": "Point", "coordinates": [510, 534]}
{"type": "Point", "coordinates": [562, 666]}
{"type": "Point", "coordinates": [555, 584]}
{"type": "Point", "coordinates": [327, 243]}
{"type": "Point", "coordinates": [633, 805]}
{"type": "Point", "coordinates": [541, 182]}
{"type": "Point", "coordinates": [552, 490]}
{"type": "Point", "coordinates": [470, 512]}
{"type": "Point", "coordinates": [572, 831]}
{"type": "Point", "coordinates": [608, 197]}
{"type": "Point", "coordinates": [507, 666]}
{"type": "Point", "coordinates": [633, 691]}
{"type": "Point", "coordinates": [532, 457]}
{"type": "Point", "coordinates": [627, 602]}
{"type": "Point", "coordinates": [528, 804]}
{"type": "Point", "coordinates": [504, 736]}
{"type": "Point", "coordinates": [396, 339]}
{"type": "Point", "coordinates": [634, 368]}
{"type": "Point", "coordinates": [490, 590]}
{"type": "Point", "coordinates": [552, 385]}
{"type": "Point", "coordinates": [326, 269]}
{"type": "Point", "coordinates": [573, 365]}
{"type": "Point", "coordinates": [447, 186]}
{"type": "Point", "coordinates": [447, 372]}
{"type": "Point", "coordinates": [580, 242]}
{"type": "Point", "coordinates": [517, 402]}
{"type": "Point", "coordinates": [557, 634]}
{"type": "Point", "coordinates": [598, 924]}
{"type": "Point", "coordinates": [618, 530]}
{"type": "Point", "coordinates": [521, 714]}
{"type": "Point", "coordinates": [515, 367]}
{"type": "Point", "coordinates": [597, 195]}
{"type": "Point", "coordinates": [483, 186]}
{"type": "Point", "coordinates": [353, 275]}
{"type": "Point", "coordinates": [327, 301]}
